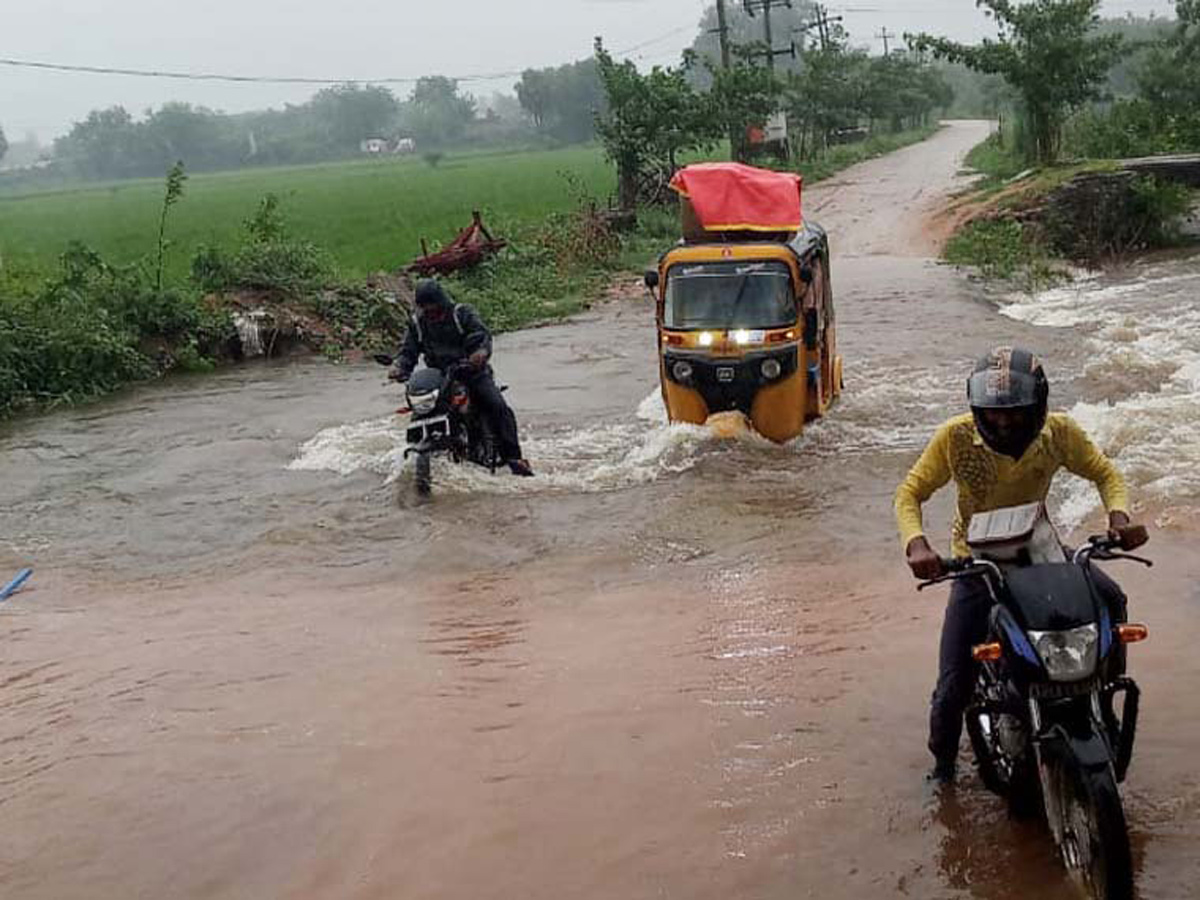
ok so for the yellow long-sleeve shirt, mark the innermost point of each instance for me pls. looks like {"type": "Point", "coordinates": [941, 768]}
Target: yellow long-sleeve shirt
{"type": "Point", "coordinates": [987, 480]}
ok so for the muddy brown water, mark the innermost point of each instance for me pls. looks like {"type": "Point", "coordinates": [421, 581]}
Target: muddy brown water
{"type": "Point", "coordinates": [250, 666]}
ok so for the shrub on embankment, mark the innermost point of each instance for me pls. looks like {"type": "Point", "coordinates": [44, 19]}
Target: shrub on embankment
{"type": "Point", "coordinates": [1026, 222]}
{"type": "Point", "coordinates": [93, 326]}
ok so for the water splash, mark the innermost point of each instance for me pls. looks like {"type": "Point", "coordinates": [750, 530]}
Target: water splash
{"type": "Point", "coordinates": [600, 457]}
{"type": "Point", "coordinates": [1142, 383]}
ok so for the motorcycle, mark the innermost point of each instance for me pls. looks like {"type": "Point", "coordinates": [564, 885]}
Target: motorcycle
{"type": "Point", "coordinates": [1042, 721]}
{"type": "Point", "coordinates": [444, 421]}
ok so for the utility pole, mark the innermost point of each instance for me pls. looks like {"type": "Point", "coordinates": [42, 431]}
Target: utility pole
{"type": "Point", "coordinates": [765, 7]}
{"type": "Point", "coordinates": [821, 22]}
{"type": "Point", "coordinates": [769, 37]}
{"type": "Point", "coordinates": [886, 35]}
{"type": "Point", "coordinates": [735, 139]}
{"type": "Point", "coordinates": [723, 33]}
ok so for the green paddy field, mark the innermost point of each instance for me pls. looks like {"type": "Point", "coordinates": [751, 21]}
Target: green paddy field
{"type": "Point", "coordinates": [370, 214]}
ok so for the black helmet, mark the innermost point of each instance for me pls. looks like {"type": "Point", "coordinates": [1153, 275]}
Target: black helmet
{"type": "Point", "coordinates": [1011, 379]}
{"type": "Point", "coordinates": [431, 293]}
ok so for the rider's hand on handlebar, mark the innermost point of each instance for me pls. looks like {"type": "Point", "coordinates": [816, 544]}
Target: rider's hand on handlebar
{"type": "Point", "coordinates": [395, 373]}
{"type": "Point", "coordinates": [1123, 531]}
{"type": "Point", "coordinates": [478, 359]}
{"type": "Point", "coordinates": [924, 562]}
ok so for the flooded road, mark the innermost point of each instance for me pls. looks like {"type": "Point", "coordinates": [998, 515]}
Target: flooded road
{"type": "Point", "coordinates": [670, 666]}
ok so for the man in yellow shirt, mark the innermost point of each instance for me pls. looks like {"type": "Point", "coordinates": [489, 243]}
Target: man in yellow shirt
{"type": "Point", "coordinates": [1005, 452]}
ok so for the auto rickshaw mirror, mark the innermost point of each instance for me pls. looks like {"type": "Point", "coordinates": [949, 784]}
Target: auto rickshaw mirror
{"type": "Point", "coordinates": [651, 278]}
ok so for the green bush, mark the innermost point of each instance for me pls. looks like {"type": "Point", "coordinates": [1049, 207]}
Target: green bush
{"type": "Point", "coordinates": [92, 328]}
{"type": "Point", "coordinates": [1001, 248]}
{"type": "Point", "coordinates": [268, 260]}
{"type": "Point", "coordinates": [60, 345]}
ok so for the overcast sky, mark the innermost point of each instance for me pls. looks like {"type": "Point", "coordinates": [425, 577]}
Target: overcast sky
{"type": "Point", "coordinates": [363, 39]}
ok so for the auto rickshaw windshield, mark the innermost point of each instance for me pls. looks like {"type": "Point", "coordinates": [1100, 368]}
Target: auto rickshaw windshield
{"type": "Point", "coordinates": [727, 295]}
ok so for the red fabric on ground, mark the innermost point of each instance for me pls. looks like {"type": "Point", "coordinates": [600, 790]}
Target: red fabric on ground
{"type": "Point", "coordinates": [737, 197]}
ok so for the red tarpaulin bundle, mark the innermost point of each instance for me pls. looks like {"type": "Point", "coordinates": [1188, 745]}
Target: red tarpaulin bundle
{"type": "Point", "coordinates": [736, 197]}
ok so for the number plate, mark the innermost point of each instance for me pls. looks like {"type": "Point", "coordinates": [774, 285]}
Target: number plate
{"type": "Point", "coordinates": [724, 374]}
{"type": "Point", "coordinates": [428, 430]}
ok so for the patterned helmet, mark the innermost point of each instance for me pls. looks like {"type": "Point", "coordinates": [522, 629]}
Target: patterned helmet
{"type": "Point", "coordinates": [1009, 378]}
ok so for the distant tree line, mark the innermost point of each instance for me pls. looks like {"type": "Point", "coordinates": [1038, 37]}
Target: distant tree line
{"type": "Point", "coordinates": [112, 143]}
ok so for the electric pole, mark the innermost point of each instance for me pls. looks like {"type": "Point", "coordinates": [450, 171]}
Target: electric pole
{"type": "Point", "coordinates": [723, 33]}
{"type": "Point", "coordinates": [735, 139]}
{"type": "Point", "coordinates": [765, 7]}
{"type": "Point", "coordinates": [821, 22]}
{"type": "Point", "coordinates": [886, 35]}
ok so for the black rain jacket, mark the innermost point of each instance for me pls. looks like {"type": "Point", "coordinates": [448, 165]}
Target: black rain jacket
{"type": "Point", "coordinates": [459, 334]}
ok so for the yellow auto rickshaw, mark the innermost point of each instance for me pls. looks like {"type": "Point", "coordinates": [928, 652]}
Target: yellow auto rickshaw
{"type": "Point", "coordinates": [745, 318]}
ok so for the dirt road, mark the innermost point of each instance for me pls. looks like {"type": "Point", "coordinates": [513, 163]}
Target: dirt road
{"type": "Point", "coordinates": [668, 667]}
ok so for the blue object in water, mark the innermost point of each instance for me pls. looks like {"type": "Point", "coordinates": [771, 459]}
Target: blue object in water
{"type": "Point", "coordinates": [15, 585]}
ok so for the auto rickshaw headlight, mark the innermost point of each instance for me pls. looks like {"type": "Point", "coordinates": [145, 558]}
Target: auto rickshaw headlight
{"type": "Point", "coordinates": [682, 370]}
{"type": "Point", "coordinates": [771, 369]}
{"type": "Point", "coordinates": [705, 339]}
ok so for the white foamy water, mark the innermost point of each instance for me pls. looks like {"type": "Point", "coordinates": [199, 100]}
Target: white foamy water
{"type": "Point", "coordinates": [599, 457]}
{"type": "Point", "coordinates": [1143, 331]}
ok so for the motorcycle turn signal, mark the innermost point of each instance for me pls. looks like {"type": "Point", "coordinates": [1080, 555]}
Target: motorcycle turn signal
{"type": "Point", "coordinates": [986, 652]}
{"type": "Point", "coordinates": [1132, 634]}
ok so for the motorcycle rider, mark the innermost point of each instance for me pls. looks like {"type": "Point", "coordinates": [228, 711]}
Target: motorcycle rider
{"type": "Point", "coordinates": [446, 333]}
{"type": "Point", "coordinates": [1004, 452]}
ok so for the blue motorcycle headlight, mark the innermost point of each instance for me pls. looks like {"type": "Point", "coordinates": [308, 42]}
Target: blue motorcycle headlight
{"type": "Point", "coordinates": [1068, 655]}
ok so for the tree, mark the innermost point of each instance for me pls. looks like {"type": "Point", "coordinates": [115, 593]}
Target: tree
{"type": "Point", "coordinates": [742, 96]}
{"type": "Point", "coordinates": [534, 93]}
{"type": "Point", "coordinates": [1171, 76]}
{"type": "Point", "coordinates": [201, 137]}
{"type": "Point", "coordinates": [436, 113]}
{"type": "Point", "coordinates": [1047, 50]}
{"type": "Point", "coordinates": [831, 92]}
{"type": "Point", "coordinates": [104, 145]}
{"type": "Point", "coordinates": [650, 120]}
{"type": "Point", "coordinates": [350, 113]}
{"type": "Point", "coordinates": [562, 102]}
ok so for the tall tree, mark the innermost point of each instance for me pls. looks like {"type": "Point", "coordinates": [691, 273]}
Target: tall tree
{"type": "Point", "coordinates": [437, 114]}
{"type": "Point", "coordinates": [104, 145]}
{"type": "Point", "coordinates": [651, 119]}
{"type": "Point", "coordinates": [562, 102]}
{"type": "Point", "coordinates": [1171, 78]}
{"type": "Point", "coordinates": [351, 113]}
{"type": "Point", "coordinates": [742, 96]}
{"type": "Point", "coordinates": [1048, 50]}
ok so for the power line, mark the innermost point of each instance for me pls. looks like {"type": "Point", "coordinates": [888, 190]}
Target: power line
{"type": "Point", "coordinates": [283, 79]}
{"type": "Point", "coordinates": [238, 79]}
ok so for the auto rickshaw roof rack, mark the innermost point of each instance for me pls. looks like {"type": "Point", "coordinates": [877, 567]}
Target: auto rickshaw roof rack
{"type": "Point", "coordinates": [732, 202]}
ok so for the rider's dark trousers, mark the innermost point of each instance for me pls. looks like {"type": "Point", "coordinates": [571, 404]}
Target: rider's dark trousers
{"type": "Point", "coordinates": [966, 624]}
{"type": "Point", "coordinates": [486, 393]}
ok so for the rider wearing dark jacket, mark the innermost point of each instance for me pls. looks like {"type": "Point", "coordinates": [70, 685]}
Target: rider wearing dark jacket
{"type": "Point", "coordinates": [446, 333]}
